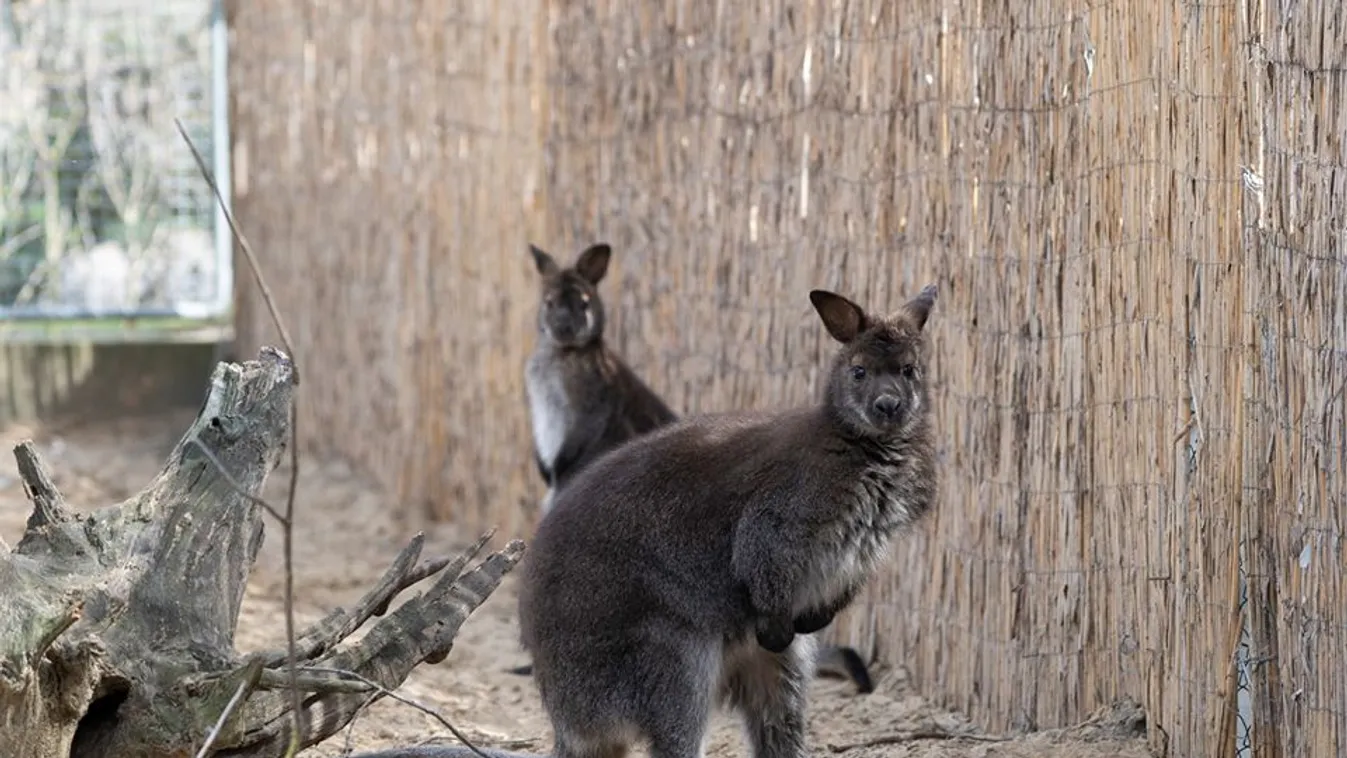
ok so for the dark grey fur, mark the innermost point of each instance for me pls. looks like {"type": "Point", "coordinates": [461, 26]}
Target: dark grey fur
{"type": "Point", "coordinates": [662, 562]}
{"type": "Point", "coordinates": [583, 399]}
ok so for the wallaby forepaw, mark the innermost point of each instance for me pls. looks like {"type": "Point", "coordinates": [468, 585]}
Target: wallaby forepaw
{"type": "Point", "coordinates": [775, 636]}
{"type": "Point", "coordinates": [812, 622]}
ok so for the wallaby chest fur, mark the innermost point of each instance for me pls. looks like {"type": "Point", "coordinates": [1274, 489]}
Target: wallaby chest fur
{"type": "Point", "coordinates": [550, 408]}
{"type": "Point", "coordinates": [582, 402]}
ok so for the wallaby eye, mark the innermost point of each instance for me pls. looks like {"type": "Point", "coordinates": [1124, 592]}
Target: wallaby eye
{"type": "Point", "coordinates": [909, 372]}
{"type": "Point", "coordinates": [858, 372]}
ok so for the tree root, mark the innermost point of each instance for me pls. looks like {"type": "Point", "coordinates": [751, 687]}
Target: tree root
{"type": "Point", "coordinates": [117, 627]}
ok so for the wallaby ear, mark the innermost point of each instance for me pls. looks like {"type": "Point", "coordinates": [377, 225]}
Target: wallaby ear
{"type": "Point", "coordinates": [593, 262]}
{"type": "Point", "coordinates": [545, 263]}
{"type": "Point", "coordinates": [843, 318]}
{"type": "Point", "coordinates": [919, 307]}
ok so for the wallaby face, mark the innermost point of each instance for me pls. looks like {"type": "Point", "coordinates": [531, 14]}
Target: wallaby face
{"type": "Point", "coordinates": [877, 386]}
{"type": "Point", "coordinates": [689, 567]}
{"type": "Point", "coordinates": [571, 312]}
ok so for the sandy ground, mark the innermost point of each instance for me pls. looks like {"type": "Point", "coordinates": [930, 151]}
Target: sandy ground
{"type": "Point", "coordinates": [346, 535]}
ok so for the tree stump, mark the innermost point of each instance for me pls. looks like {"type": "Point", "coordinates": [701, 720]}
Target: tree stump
{"type": "Point", "coordinates": [117, 627]}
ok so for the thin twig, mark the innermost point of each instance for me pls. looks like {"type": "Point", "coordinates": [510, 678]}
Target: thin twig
{"type": "Point", "coordinates": [288, 548]}
{"type": "Point", "coordinates": [928, 733]}
{"type": "Point", "coordinates": [350, 725]}
{"type": "Point", "coordinates": [407, 701]}
{"type": "Point", "coordinates": [234, 702]}
{"type": "Point", "coordinates": [234, 483]}
{"type": "Point", "coordinates": [243, 243]}
{"type": "Point", "coordinates": [287, 526]}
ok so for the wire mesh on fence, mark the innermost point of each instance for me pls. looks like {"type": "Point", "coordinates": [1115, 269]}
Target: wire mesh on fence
{"type": "Point", "coordinates": [1295, 411]}
{"type": "Point", "coordinates": [102, 210]}
{"type": "Point", "coordinates": [1132, 336]}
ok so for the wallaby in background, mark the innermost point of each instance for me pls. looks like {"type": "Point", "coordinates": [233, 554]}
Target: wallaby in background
{"type": "Point", "coordinates": [689, 567]}
{"type": "Point", "coordinates": [584, 400]}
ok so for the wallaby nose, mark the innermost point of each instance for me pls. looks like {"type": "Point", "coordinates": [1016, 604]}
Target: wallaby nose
{"type": "Point", "coordinates": [887, 405]}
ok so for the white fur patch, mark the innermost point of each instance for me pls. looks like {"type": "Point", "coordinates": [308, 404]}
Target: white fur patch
{"type": "Point", "coordinates": [549, 410]}
{"type": "Point", "coordinates": [835, 575]}
{"type": "Point", "coordinates": [546, 504]}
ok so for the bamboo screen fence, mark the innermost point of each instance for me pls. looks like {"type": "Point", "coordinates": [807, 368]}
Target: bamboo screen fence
{"type": "Point", "coordinates": [1134, 211]}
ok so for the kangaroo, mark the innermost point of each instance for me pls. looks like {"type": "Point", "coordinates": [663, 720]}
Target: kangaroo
{"type": "Point", "coordinates": [584, 400]}
{"type": "Point", "coordinates": [689, 567]}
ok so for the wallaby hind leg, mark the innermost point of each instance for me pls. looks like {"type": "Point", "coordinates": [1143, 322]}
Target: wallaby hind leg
{"type": "Point", "coordinates": [676, 725]}
{"type": "Point", "coordinates": [678, 744]}
{"type": "Point", "coordinates": [570, 747]}
{"type": "Point", "coordinates": [655, 689]}
{"type": "Point", "coordinates": [676, 715]}
{"type": "Point", "coordinates": [769, 690]}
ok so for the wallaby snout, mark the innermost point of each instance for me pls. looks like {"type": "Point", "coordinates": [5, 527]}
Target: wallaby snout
{"type": "Point", "coordinates": [887, 406]}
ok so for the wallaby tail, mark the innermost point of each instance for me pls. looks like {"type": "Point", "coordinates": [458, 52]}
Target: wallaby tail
{"type": "Point", "coordinates": [843, 661]}
{"type": "Point", "coordinates": [446, 751]}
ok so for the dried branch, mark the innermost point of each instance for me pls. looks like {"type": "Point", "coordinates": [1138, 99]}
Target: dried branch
{"type": "Point", "coordinates": [927, 733]}
{"type": "Point", "coordinates": [314, 680]}
{"type": "Point", "coordinates": [48, 504]}
{"type": "Point", "coordinates": [340, 623]}
{"type": "Point", "coordinates": [344, 682]}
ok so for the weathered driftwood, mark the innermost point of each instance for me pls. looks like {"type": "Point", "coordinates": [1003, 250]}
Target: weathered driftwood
{"type": "Point", "coordinates": [117, 627]}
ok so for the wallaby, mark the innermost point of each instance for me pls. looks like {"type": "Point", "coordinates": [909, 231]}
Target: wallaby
{"type": "Point", "coordinates": [690, 566]}
{"type": "Point", "coordinates": [584, 400]}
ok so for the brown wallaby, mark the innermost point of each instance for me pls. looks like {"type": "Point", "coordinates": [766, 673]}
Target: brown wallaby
{"type": "Point", "coordinates": [584, 400]}
{"type": "Point", "coordinates": [690, 566]}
